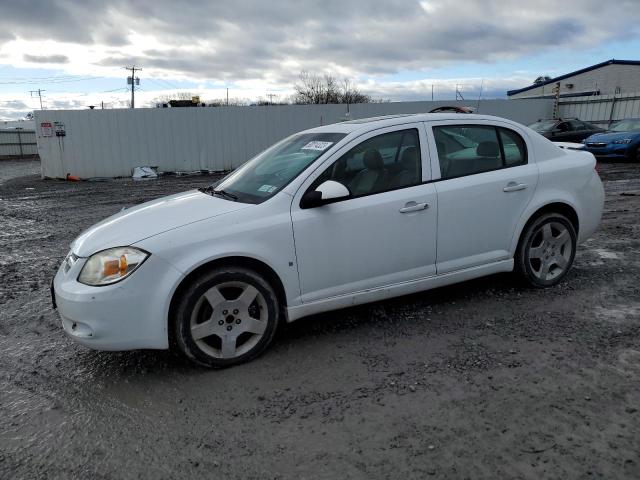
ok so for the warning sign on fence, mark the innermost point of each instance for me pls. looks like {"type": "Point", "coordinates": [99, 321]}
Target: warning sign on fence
{"type": "Point", "coordinates": [47, 129]}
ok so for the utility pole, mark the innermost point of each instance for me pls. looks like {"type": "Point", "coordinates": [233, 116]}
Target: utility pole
{"type": "Point", "coordinates": [480, 96]}
{"type": "Point", "coordinates": [270, 96]}
{"type": "Point", "coordinates": [133, 81]}
{"type": "Point", "coordinates": [432, 92]}
{"type": "Point", "coordinates": [227, 96]}
{"type": "Point", "coordinates": [39, 92]}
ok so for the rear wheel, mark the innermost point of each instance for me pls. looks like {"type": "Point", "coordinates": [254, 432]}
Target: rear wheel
{"type": "Point", "coordinates": [546, 250]}
{"type": "Point", "coordinates": [225, 317]}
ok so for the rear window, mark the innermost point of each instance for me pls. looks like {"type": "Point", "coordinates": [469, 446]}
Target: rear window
{"type": "Point", "coordinates": [543, 125]}
{"type": "Point", "coordinates": [471, 149]}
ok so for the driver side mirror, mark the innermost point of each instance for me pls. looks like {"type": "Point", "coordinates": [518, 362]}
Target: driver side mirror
{"type": "Point", "coordinates": [324, 193]}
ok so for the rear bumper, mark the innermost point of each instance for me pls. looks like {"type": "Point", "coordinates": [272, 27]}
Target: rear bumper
{"type": "Point", "coordinates": [592, 205]}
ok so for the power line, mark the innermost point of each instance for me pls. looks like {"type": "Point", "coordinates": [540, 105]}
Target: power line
{"type": "Point", "coordinates": [50, 81]}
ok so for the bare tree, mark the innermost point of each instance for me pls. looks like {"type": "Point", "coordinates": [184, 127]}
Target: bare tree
{"type": "Point", "coordinates": [316, 89]}
{"type": "Point", "coordinates": [351, 94]}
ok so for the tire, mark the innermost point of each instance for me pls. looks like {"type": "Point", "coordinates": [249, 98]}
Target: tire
{"type": "Point", "coordinates": [225, 317]}
{"type": "Point", "coordinates": [634, 155]}
{"type": "Point", "coordinates": [546, 250]}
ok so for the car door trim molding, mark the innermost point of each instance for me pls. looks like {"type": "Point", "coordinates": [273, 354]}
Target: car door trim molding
{"type": "Point", "coordinates": [397, 289]}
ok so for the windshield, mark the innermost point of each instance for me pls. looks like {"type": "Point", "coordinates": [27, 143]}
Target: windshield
{"type": "Point", "coordinates": [542, 125]}
{"type": "Point", "coordinates": [270, 171]}
{"type": "Point", "coordinates": [625, 126]}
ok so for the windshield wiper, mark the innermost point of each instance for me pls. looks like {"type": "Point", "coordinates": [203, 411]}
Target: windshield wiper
{"type": "Point", "coordinates": [223, 193]}
{"type": "Point", "coordinates": [211, 190]}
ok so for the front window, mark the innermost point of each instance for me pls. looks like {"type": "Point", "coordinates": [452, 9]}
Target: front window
{"type": "Point", "coordinates": [385, 162]}
{"type": "Point", "coordinates": [625, 126]}
{"type": "Point", "coordinates": [272, 170]}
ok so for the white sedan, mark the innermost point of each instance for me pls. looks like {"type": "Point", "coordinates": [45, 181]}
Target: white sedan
{"type": "Point", "coordinates": [330, 217]}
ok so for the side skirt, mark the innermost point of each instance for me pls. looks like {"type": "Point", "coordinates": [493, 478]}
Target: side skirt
{"type": "Point", "coordinates": [396, 290]}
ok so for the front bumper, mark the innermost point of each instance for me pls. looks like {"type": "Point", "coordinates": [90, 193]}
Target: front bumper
{"type": "Point", "coordinates": [128, 315]}
{"type": "Point", "coordinates": [611, 151]}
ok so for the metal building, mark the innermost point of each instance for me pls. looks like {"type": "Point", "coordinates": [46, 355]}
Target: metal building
{"type": "Point", "coordinates": [607, 78]}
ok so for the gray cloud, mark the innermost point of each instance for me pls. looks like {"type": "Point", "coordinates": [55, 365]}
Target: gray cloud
{"type": "Point", "coordinates": [254, 38]}
{"type": "Point", "coordinates": [46, 58]}
{"type": "Point", "coordinates": [14, 105]}
{"type": "Point", "coordinates": [229, 41]}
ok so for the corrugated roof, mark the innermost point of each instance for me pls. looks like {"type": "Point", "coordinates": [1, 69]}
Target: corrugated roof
{"type": "Point", "coordinates": [577, 72]}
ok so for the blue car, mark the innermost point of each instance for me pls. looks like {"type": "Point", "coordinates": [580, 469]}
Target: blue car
{"type": "Point", "coordinates": [621, 141]}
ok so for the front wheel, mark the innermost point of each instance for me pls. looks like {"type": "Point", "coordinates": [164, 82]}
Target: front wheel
{"type": "Point", "coordinates": [227, 316]}
{"type": "Point", "coordinates": [546, 250]}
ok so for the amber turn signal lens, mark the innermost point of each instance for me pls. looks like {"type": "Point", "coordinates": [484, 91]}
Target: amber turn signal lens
{"type": "Point", "coordinates": [123, 265]}
{"type": "Point", "coordinates": [115, 267]}
{"type": "Point", "coordinates": [111, 267]}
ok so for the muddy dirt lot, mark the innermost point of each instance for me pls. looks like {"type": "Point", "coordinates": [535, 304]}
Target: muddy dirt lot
{"type": "Point", "coordinates": [479, 380]}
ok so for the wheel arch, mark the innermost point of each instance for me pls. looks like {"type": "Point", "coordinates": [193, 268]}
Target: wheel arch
{"type": "Point", "coordinates": [560, 207]}
{"type": "Point", "coordinates": [256, 265]}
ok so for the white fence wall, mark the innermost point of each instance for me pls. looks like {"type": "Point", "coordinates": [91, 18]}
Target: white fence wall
{"type": "Point", "coordinates": [17, 143]}
{"type": "Point", "coordinates": [601, 109]}
{"type": "Point", "coordinates": [109, 143]}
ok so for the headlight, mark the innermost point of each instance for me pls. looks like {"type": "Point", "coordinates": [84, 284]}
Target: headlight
{"type": "Point", "coordinates": [111, 265]}
{"type": "Point", "coordinates": [623, 141]}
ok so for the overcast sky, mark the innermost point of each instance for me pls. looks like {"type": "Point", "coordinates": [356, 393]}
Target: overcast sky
{"type": "Point", "coordinates": [393, 49]}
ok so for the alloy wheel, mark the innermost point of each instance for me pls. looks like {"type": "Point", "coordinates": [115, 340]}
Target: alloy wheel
{"type": "Point", "coordinates": [229, 319]}
{"type": "Point", "coordinates": [550, 251]}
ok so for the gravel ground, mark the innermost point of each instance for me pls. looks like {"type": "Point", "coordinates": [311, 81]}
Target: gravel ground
{"type": "Point", "coordinates": [479, 380]}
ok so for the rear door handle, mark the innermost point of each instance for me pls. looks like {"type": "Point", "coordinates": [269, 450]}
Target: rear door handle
{"type": "Point", "coordinates": [514, 187]}
{"type": "Point", "coordinates": [413, 207]}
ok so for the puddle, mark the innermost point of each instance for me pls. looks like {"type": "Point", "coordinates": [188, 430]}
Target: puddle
{"type": "Point", "coordinates": [607, 254]}
{"type": "Point", "coordinates": [618, 313]}
{"type": "Point", "coordinates": [630, 360]}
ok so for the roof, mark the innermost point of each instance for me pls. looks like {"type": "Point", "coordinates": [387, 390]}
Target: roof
{"type": "Point", "coordinates": [577, 72]}
{"type": "Point", "coordinates": [382, 117]}
{"type": "Point", "coordinates": [371, 123]}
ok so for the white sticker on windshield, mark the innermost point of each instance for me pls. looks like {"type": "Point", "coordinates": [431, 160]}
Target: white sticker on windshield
{"type": "Point", "coordinates": [267, 188]}
{"type": "Point", "coordinates": [320, 146]}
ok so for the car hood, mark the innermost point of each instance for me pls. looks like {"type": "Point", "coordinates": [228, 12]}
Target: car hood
{"type": "Point", "coordinates": [152, 218]}
{"type": "Point", "coordinates": [611, 136]}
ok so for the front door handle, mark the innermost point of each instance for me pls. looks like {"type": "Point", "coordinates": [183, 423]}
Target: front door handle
{"type": "Point", "coordinates": [514, 187]}
{"type": "Point", "coordinates": [413, 207]}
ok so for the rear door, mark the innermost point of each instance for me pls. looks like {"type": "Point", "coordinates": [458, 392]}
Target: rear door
{"type": "Point", "coordinates": [484, 180]}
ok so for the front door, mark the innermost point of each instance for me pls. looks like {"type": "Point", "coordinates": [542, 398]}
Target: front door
{"type": "Point", "coordinates": [486, 183]}
{"type": "Point", "coordinates": [384, 233]}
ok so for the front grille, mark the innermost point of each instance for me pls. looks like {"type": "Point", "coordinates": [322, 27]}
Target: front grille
{"type": "Point", "coordinates": [597, 144]}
